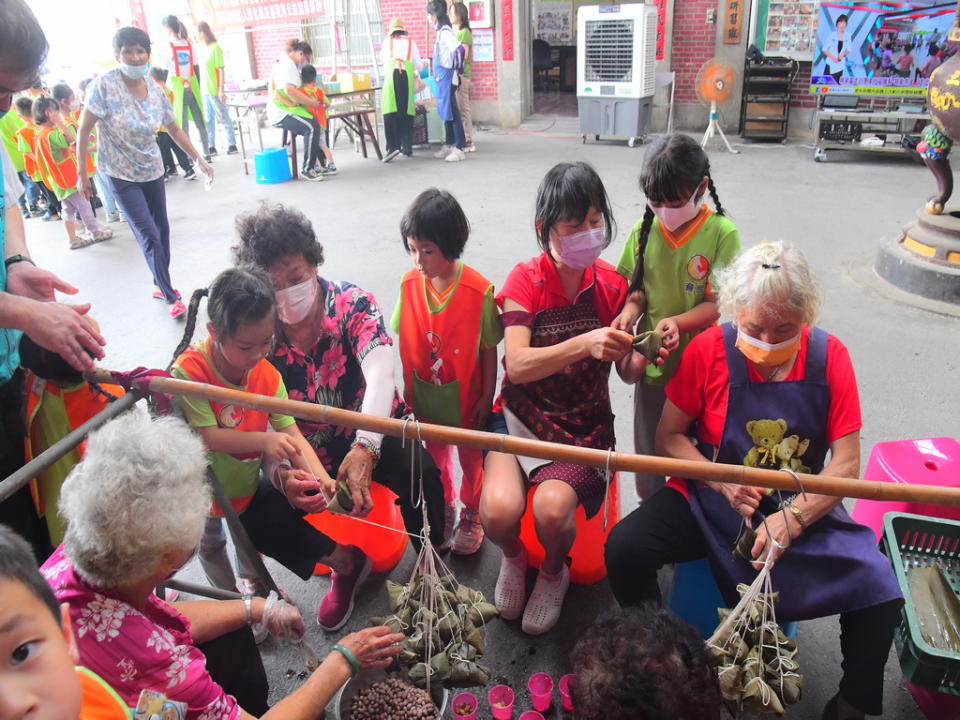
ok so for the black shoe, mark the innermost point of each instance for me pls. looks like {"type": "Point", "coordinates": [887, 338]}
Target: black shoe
{"type": "Point", "coordinates": [208, 158]}
{"type": "Point", "coordinates": [210, 153]}
{"type": "Point", "coordinates": [312, 175]}
{"type": "Point", "coordinates": [390, 155]}
{"type": "Point", "coordinates": [232, 150]}
{"type": "Point", "coordinates": [190, 175]}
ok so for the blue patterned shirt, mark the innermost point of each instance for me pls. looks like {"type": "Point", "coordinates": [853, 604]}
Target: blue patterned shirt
{"type": "Point", "coordinates": [128, 127]}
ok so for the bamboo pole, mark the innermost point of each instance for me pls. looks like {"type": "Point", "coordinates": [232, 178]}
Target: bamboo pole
{"type": "Point", "coordinates": [691, 470]}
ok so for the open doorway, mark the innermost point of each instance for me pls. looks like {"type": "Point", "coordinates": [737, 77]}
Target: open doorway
{"type": "Point", "coordinates": [552, 29]}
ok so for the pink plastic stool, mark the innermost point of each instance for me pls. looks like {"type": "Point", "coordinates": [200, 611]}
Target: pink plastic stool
{"type": "Point", "coordinates": [931, 461]}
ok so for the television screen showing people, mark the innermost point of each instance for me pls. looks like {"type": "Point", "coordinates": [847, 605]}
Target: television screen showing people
{"type": "Point", "coordinates": [872, 48]}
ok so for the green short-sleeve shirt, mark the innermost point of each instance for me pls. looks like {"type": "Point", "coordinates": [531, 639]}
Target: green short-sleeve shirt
{"type": "Point", "coordinates": [60, 148]}
{"type": "Point", "coordinates": [213, 61]}
{"type": "Point", "coordinates": [677, 273]}
{"type": "Point", "coordinates": [466, 38]}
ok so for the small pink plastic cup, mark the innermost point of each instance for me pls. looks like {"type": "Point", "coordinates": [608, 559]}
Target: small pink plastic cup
{"type": "Point", "coordinates": [564, 685]}
{"type": "Point", "coordinates": [540, 686]}
{"type": "Point", "coordinates": [531, 715]}
{"type": "Point", "coordinates": [501, 702]}
{"type": "Point", "coordinates": [465, 698]}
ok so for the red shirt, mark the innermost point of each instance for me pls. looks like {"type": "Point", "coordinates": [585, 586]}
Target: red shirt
{"type": "Point", "coordinates": [700, 389]}
{"type": "Point", "coordinates": [536, 286]}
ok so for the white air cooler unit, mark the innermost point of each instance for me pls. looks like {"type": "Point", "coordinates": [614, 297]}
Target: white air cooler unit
{"type": "Point", "coordinates": [616, 69]}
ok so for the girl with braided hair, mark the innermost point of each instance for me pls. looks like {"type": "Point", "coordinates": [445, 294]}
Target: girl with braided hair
{"type": "Point", "coordinates": [668, 259]}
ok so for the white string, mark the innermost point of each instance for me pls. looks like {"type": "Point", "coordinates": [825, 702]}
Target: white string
{"type": "Point", "coordinates": [606, 490]}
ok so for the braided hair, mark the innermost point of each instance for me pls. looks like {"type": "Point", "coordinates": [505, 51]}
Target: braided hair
{"type": "Point", "coordinates": [238, 296]}
{"type": "Point", "coordinates": [673, 168]}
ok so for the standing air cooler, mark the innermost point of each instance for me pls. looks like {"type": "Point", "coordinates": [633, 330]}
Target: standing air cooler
{"type": "Point", "coordinates": [616, 73]}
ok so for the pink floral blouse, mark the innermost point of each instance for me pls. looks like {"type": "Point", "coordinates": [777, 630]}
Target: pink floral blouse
{"type": "Point", "coordinates": [135, 650]}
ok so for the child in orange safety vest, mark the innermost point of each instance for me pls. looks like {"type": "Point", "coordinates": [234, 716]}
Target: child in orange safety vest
{"type": "Point", "coordinates": [449, 329]}
{"type": "Point", "coordinates": [56, 158]}
{"type": "Point", "coordinates": [310, 88]}
{"type": "Point", "coordinates": [26, 136]}
{"type": "Point", "coordinates": [57, 400]}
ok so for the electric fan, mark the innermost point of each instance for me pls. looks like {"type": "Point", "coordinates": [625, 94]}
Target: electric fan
{"type": "Point", "coordinates": [716, 81]}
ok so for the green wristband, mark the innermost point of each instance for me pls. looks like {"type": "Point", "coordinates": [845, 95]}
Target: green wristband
{"type": "Point", "coordinates": [351, 658]}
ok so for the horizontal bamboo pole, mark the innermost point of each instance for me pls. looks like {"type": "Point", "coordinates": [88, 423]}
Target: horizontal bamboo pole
{"type": "Point", "coordinates": [649, 464]}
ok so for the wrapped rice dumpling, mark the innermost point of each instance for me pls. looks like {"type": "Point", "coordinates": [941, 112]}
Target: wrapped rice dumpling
{"type": "Point", "coordinates": [342, 501]}
{"type": "Point", "coordinates": [648, 344]}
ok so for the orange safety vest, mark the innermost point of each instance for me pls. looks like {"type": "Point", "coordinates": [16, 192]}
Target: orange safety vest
{"type": "Point", "coordinates": [401, 62]}
{"type": "Point", "coordinates": [64, 173]}
{"type": "Point", "coordinates": [179, 68]}
{"type": "Point", "coordinates": [81, 403]}
{"type": "Point", "coordinates": [73, 120]}
{"type": "Point", "coordinates": [262, 379]}
{"type": "Point", "coordinates": [440, 350]}
{"type": "Point", "coordinates": [98, 700]}
{"type": "Point", "coordinates": [29, 134]}
{"type": "Point", "coordinates": [320, 113]}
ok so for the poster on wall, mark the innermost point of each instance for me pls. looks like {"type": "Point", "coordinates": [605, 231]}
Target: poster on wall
{"type": "Point", "coordinates": [483, 46]}
{"type": "Point", "coordinates": [888, 48]}
{"type": "Point", "coordinates": [661, 28]}
{"type": "Point", "coordinates": [789, 29]}
{"type": "Point", "coordinates": [553, 21]}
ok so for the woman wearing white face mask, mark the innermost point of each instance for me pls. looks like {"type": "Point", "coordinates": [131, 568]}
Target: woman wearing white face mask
{"type": "Point", "coordinates": [668, 259]}
{"type": "Point", "coordinates": [557, 309]}
{"type": "Point", "coordinates": [769, 390]}
{"type": "Point", "coordinates": [332, 348]}
{"type": "Point", "coordinates": [129, 109]}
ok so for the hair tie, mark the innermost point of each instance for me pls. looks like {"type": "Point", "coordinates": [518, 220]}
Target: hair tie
{"type": "Point", "coordinates": [771, 266]}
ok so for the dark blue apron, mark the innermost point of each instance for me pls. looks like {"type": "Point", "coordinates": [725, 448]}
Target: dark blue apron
{"type": "Point", "coordinates": [444, 79]}
{"type": "Point", "coordinates": [835, 565]}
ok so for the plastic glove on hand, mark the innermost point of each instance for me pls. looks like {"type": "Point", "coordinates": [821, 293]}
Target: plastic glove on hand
{"type": "Point", "coordinates": [282, 619]}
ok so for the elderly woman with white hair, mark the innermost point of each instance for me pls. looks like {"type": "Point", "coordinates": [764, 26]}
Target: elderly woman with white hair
{"type": "Point", "coordinates": [768, 390]}
{"type": "Point", "coordinates": [135, 508]}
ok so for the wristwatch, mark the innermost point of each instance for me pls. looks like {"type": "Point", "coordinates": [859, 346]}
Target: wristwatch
{"type": "Point", "coordinates": [798, 514]}
{"type": "Point", "coordinates": [18, 258]}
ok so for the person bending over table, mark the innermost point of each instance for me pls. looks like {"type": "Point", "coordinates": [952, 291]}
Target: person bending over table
{"type": "Point", "coordinates": [135, 507]}
{"type": "Point", "coordinates": [769, 390]}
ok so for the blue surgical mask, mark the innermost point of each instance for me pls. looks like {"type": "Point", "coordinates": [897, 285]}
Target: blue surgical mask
{"type": "Point", "coordinates": [135, 72]}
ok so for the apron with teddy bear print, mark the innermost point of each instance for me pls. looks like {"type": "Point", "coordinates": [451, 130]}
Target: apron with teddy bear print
{"type": "Point", "coordinates": [834, 566]}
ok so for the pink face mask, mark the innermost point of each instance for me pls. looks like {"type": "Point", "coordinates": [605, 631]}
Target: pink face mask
{"type": "Point", "coordinates": [580, 250]}
{"type": "Point", "coordinates": [672, 218]}
{"type": "Point", "coordinates": [296, 301]}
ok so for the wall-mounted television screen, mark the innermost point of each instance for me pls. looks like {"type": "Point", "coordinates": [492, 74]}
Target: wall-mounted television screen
{"type": "Point", "coordinates": [880, 48]}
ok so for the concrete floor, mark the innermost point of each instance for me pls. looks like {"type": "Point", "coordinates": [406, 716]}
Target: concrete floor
{"type": "Point", "coordinates": [907, 358]}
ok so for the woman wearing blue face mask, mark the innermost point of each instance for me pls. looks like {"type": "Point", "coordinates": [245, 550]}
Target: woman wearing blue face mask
{"type": "Point", "coordinates": [557, 309]}
{"type": "Point", "coordinates": [129, 109]}
{"type": "Point", "coordinates": [669, 256]}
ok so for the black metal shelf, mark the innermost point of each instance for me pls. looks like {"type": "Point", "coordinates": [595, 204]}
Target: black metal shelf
{"type": "Point", "coordinates": [765, 99]}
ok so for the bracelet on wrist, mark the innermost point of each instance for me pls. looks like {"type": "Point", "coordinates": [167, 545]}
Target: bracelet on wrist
{"type": "Point", "coordinates": [248, 608]}
{"type": "Point", "coordinates": [368, 445]}
{"type": "Point", "coordinates": [350, 657]}
{"type": "Point", "coordinates": [13, 259]}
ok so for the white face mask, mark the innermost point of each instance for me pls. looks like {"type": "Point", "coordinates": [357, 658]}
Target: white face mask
{"type": "Point", "coordinates": [672, 218]}
{"type": "Point", "coordinates": [580, 250]}
{"type": "Point", "coordinates": [296, 301]}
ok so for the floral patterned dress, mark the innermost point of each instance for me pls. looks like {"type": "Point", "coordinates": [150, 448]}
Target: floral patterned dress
{"type": "Point", "coordinates": [135, 650]}
{"type": "Point", "coordinates": [330, 373]}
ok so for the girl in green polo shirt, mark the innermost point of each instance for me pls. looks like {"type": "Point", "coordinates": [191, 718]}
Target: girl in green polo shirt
{"type": "Point", "coordinates": [669, 257]}
{"type": "Point", "coordinates": [212, 80]}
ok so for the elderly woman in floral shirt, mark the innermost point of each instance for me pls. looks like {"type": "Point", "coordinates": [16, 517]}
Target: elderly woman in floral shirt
{"type": "Point", "coordinates": [333, 349]}
{"type": "Point", "coordinates": [136, 507]}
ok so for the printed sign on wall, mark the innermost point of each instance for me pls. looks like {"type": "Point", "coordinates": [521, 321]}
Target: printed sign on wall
{"type": "Point", "coordinates": [733, 21]}
{"type": "Point", "coordinates": [506, 28]}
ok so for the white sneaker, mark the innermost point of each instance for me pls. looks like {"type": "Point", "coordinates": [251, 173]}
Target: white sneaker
{"type": "Point", "coordinates": [470, 148]}
{"type": "Point", "coordinates": [456, 155]}
{"type": "Point", "coordinates": [443, 152]}
{"type": "Point", "coordinates": [511, 590]}
{"type": "Point", "coordinates": [546, 601]}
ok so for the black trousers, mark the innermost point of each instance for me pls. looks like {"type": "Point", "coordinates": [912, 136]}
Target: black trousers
{"type": "Point", "coordinates": [234, 663]}
{"type": "Point", "coordinates": [281, 531]}
{"type": "Point", "coordinates": [398, 126]}
{"type": "Point", "coordinates": [663, 530]}
{"type": "Point", "coordinates": [53, 205]}
{"type": "Point", "coordinates": [168, 148]}
{"type": "Point", "coordinates": [310, 130]}
{"type": "Point", "coordinates": [18, 512]}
